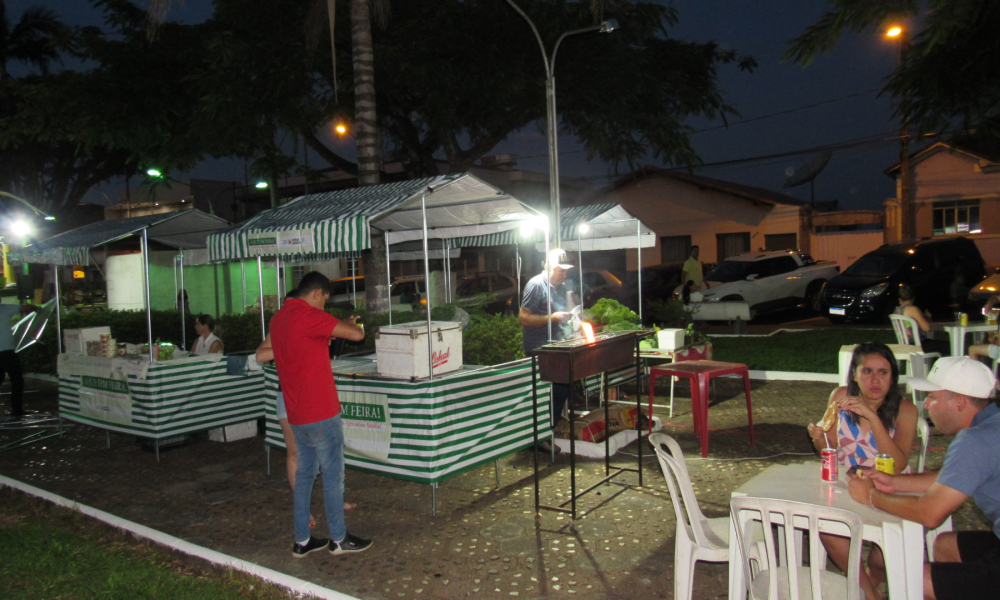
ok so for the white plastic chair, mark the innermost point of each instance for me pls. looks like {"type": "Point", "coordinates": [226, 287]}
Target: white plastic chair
{"type": "Point", "coordinates": [697, 537]}
{"type": "Point", "coordinates": [924, 435]}
{"type": "Point", "coordinates": [780, 576]}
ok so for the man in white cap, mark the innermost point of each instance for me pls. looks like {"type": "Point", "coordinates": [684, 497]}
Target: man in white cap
{"type": "Point", "coordinates": [534, 318]}
{"type": "Point", "coordinates": [967, 563]}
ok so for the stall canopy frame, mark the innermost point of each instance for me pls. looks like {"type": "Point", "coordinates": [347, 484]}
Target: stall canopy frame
{"type": "Point", "coordinates": [181, 230]}
{"type": "Point", "coordinates": [338, 224]}
{"type": "Point", "coordinates": [610, 227]}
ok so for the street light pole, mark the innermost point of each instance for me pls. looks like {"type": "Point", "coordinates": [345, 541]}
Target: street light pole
{"type": "Point", "coordinates": [907, 210]}
{"type": "Point", "coordinates": [550, 110]}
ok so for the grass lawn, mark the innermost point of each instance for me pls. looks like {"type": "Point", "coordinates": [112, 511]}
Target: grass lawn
{"type": "Point", "coordinates": [806, 352]}
{"type": "Point", "coordinates": [51, 552]}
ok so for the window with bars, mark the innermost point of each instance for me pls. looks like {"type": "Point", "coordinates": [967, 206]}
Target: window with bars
{"type": "Point", "coordinates": [674, 248]}
{"type": "Point", "coordinates": [959, 216]}
{"type": "Point", "coordinates": [731, 244]}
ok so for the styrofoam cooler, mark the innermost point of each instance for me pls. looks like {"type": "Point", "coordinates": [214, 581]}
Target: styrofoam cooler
{"type": "Point", "coordinates": [670, 338]}
{"type": "Point", "coordinates": [401, 349]}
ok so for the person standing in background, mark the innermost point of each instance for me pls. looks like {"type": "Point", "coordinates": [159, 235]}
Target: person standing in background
{"type": "Point", "coordinates": [692, 271]}
{"type": "Point", "coordinates": [10, 364]}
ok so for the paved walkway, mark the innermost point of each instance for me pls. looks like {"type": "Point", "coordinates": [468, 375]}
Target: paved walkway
{"type": "Point", "coordinates": [484, 541]}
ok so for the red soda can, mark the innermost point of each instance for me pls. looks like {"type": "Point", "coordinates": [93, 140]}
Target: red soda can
{"type": "Point", "coordinates": [828, 457]}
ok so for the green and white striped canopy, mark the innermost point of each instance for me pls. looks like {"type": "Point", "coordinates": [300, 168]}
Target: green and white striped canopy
{"type": "Point", "coordinates": [611, 227]}
{"type": "Point", "coordinates": [334, 223]}
{"type": "Point", "coordinates": [184, 229]}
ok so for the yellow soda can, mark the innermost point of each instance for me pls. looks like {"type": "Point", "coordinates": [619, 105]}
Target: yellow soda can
{"type": "Point", "coordinates": [885, 463]}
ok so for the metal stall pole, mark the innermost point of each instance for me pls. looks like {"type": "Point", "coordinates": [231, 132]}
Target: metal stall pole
{"type": "Point", "coordinates": [446, 246]}
{"type": "Point", "coordinates": [517, 269]}
{"type": "Point", "coordinates": [145, 282]}
{"type": "Point", "coordinates": [59, 337]}
{"type": "Point", "coordinates": [638, 258]}
{"type": "Point", "coordinates": [548, 292]}
{"type": "Point", "coordinates": [184, 306]}
{"type": "Point", "coordinates": [175, 283]}
{"type": "Point", "coordinates": [388, 277]}
{"type": "Point", "coordinates": [427, 288]}
{"type": "Point", "coordinates": [243, 280]}
{"type": "Point", "coordinates": [354, 281]}
{"type": "Point", "coordinates": [579, 261]}
{"type": "Point", "coordinates": [277, 270]}
{"type": "Point", "coordinates": [260, 283]}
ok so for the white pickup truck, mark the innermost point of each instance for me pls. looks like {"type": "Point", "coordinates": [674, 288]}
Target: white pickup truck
{"type": "Point", "coordinates": [768, 281]}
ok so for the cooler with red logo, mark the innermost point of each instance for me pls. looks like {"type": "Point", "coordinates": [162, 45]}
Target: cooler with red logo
{"type": "Point", "coordinates": [402, 349]}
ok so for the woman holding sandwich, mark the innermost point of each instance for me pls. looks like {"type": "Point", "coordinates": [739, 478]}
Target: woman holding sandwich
{"type": "Point", "coordinates": [865, 418]}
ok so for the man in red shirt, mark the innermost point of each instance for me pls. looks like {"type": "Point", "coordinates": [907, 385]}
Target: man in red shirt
{"type": "Point", "coordinates": [300, 337]}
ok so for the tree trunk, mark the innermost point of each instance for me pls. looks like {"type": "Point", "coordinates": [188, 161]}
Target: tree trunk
{"type": "Point", "coordinates": [366, 133]}
{"type": "Point", "coordinates": [365, 128]}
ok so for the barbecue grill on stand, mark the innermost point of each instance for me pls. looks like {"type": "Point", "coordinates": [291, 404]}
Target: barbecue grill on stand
{"type": "Point", "coordinates": [570, 361]}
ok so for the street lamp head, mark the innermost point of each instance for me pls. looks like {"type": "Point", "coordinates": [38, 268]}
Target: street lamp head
{"type": "Point", "coordinates": [894, 31]}
{"type": "Point", "coordinates": [584, 228]}
{"type": "Point", "coordinates": [20, 228]}
{"type": "Point", "coordinates": [340, 128]}
{"type": "Point", "coordinates": [154, 173]}
{"type": "Point", "coordinates": [608, 26]}
{"type": "Point", "coordinates": [49, 218]}
{"type": "Point", "coordinates": [261, 185]}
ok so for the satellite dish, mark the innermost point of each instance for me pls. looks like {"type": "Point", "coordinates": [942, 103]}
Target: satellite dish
{"type": "Point", "coordinates": [808, 172]}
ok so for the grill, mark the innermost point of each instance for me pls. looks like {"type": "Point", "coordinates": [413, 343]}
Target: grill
{"type": "Point", "coordinates": [609, 350]}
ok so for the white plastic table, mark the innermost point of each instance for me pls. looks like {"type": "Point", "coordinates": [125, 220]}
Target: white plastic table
{"type": "Point", "coordinates": [956, 333]}
{"type": "Point", "coordinates": [901, 541]}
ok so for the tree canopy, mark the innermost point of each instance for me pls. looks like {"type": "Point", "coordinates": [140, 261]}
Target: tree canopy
{"type": "Point", "coordinates": [948, 79]}
{"type": "Point", "coordinates": [453, 79]}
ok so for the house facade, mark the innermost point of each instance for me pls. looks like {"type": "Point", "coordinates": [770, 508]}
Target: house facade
{"type": "Point", "coordinates": [721, 217]}
{"type": "Point", "coordinates": [955, 191]}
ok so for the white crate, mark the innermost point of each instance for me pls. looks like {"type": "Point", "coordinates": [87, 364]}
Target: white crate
{"type": "Point", "coordinates": [75, 340]}
{"type": "Point", "coordinates": [670, 338]}
{"type": "Point", "coordinates": [232, 433]}
{"type": "Point", "coordinates": [401, 349]}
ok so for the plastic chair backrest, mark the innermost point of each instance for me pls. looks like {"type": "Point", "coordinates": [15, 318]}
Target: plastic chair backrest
{"type": "Point", "coordinates": [924, 435]}
{"type": "Point", "coordinates": [686, 508]}
{"type": "Point", "coordinates": [906, 328]}
{"type": "Point", "coordinates": [776, 579]}
{"type": "Point", "coordinates": [661, 439]}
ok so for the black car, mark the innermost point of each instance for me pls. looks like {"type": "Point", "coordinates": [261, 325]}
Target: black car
{"type": "Point", "coordinates": [940, 271]}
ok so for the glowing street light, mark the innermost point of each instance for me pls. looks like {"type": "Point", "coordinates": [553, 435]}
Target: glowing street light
{"type": "Point", "coordinates": [21, 228]}
{"type": "Point", "coordinates": [261, 185]}
{"type": "Point", "coordinates": [340, 128]}
{"type": "Point", "coordinates": [894, 31]}
{"type": "Point", "coordinates": [154, 173]}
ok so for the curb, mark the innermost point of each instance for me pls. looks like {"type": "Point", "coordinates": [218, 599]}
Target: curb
{"type": "Point", "coordinates": [294, 584]}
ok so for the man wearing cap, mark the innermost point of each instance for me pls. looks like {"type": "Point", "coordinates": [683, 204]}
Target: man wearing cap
{"type": "Point", "coordinates": [967, 563]}
{"type": "Point", "coordinates": [534, 317]}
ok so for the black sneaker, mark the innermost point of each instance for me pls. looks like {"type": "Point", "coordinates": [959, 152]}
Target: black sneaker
{"type": "Point", "coordinates": [350, 544]}
{"type": "Point", "coordinates": [314, 544]}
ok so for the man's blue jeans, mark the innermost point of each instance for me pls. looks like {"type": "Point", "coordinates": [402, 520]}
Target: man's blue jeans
{"type": "Point", "coordinates": [320, 445]}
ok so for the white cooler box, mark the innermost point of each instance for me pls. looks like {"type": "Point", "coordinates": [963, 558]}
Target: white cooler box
{"type": "Point", "coordinates": [401, 349]}
{"type": "Point", "coordinates": [670, 338]}
{"type": "Point", "coordinates": [75, 340]}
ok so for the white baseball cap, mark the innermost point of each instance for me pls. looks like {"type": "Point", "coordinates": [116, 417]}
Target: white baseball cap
{"type": "Point", "coordinates": [958, 374]}
{"type": "Point", "coordinates": [557, 258]}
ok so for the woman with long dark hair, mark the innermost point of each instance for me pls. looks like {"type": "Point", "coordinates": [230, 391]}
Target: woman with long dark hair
{"type": "Point", "coordinates": [865, 418]}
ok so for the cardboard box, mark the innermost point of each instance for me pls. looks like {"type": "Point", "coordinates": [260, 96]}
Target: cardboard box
{"type": "Point", "coordinates": [670, 338]}
{"type": "Point", "coordinates": [593, 431]}
{"type": "Point", "coordinates": [401, 350]}
{"type": "Point", "coordinates": [231, 433]}
{"type": "Point", "coordinates": [75, 340]}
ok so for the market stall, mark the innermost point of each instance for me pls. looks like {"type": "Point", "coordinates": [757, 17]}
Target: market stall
{"type": "Point", "coordinates": [427, 430]}
{"type": "Point", "coordinates": [437, 425]}
{"type": "Point", "coordinates": [150, 396]}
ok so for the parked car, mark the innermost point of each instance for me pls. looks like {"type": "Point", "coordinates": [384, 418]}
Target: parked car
{"type": "Point", "coordinates": [347, 292]}
{"type": "Point", "coordinates": [658, 283]}
{"type": "Point", "coordinates": [408, 292]}
{"type": "Point", "coordinates": [494, 292]}
{"type": "Point", "coordinates": [768, 281]}
{"type": "Point", "coordinates": [598, 284]}
{"type": "Point", "coordinates": [940, 271]}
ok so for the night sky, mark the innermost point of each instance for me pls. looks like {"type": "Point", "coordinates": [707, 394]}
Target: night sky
{"type": "Point", "coordinates": [788, 110]}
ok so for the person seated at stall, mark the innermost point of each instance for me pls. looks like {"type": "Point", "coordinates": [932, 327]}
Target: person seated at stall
{"type": "Point", "coordinates": [865, 418]}
{"type": "Point", "coordinates": [908, 308]}
{"type": "Point", "coordinates": [991, 349]}
{"type": "Point", "coordinates": [207, 342]}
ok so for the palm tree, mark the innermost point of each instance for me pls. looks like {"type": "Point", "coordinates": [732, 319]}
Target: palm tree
{"type": "Point", "coordinates": [31, 41]}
